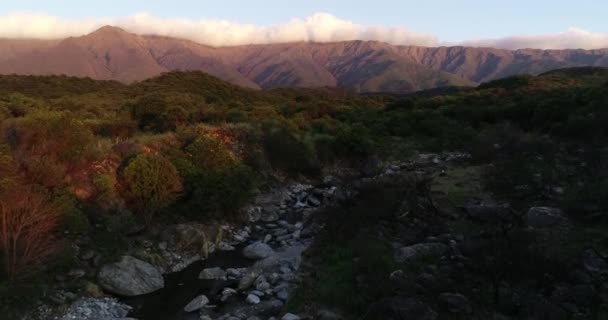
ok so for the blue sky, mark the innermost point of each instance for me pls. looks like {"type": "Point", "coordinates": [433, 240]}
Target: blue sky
{"type": "Point", "coordinates": [450, 20]}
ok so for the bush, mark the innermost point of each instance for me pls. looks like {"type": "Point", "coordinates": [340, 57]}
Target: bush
{"type": "Point", "coordinates": [288, 152]}
{"type": "Point", "coordinates": [73, 219]}
{"type": "Point", "coordinates": [151, 184]}
{"type": "Point", "coordinates": [28, 222]}
{"type": "Point", "coordinates": [209, 153]}
{"type": "Point", "coordinates": [221, 191]}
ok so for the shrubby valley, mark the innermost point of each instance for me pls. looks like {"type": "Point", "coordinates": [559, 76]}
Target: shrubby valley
{"type": "Point", "coordinates": [187, 197]}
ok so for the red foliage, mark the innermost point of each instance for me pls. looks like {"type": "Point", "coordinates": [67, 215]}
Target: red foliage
{"type": "Point", "coordinates": [28, 222]}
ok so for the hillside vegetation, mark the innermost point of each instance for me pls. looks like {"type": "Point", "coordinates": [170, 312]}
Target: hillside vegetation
{"type": "Point", "coordinates": [81, 158]}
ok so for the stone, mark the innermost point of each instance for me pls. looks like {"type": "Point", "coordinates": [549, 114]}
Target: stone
{"type": "Point", "coordinates": [325, 314]}
{"type": "Point", "coordinates": [543, 217]}
{"type": "Point", "coordinates": [76, 273]}
{"type": "Point", "coordinates": [93, 308]}
{"type": "Point", "coordinates": [421, 250]}
{"type": "Point", "coordinates": [283, 294]}
{"type": "Point", "coordinates": [223, 246]}
{"type": "Point", "coordinates": [456, 302]}
{"type": "Point", "coordinates": [257, 250]}
{"type": "Point", "coordinates": [197, 303]}
{"type": "Point", "coordinates": [130, 277]}
{"type": "Point", "coordinates": [396, 275]}
{"type": "Point", "coordinates": [593, 262]}
{"type": "Point", "coordinates": [313, 201]}
{"type": "Point", "coordinates": [216, 273]}
{"type": "Point", "coordinates": [87, 255]}
{"type": "Point", "coordinates": [271, 216]}
{"type": "Point", "coordinates": [227, 293]}
{"type": "Point", "coordinates": [185, 237]}
{"type": "Point", "coordinates": [248, 278]}
{"type": "Point", "coordinates": [253, 299]}
{"type": "Point", "coordinates": [290, 316]}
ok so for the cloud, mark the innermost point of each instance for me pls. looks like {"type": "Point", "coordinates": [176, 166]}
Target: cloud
{"type": "Point", "coordinates": [573, 38]}
{"type": "Point", "coordinates": [320, 27]}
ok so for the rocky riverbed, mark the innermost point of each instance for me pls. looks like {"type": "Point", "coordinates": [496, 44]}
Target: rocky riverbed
{"type": "Point", "coordinates": [250, 271]}
{"type": "Point", "coordinates": [195, 271]}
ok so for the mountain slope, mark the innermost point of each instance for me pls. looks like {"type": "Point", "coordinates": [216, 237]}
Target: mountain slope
{"type": "Point", "coordinates": [111, 53]}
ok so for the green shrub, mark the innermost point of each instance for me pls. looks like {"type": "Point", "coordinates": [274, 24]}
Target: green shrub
{"type": "Point", "coordinates": [288, 152]}
{"type": "Point", "coordinates": [220, 192]}
{"type": "Point", "coordinates": [209, 153]}
{"type": "Point", "coordinates": [151, 184]}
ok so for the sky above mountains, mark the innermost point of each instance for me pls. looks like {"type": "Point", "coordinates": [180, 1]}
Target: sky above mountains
{"type": "Point", "coordinates": [512, 24]}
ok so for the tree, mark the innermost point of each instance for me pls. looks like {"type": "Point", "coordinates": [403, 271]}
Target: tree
{"type": "Point", "coordinates": [151, 184]}
{"type": "Point", "coordinates": [28, 222]}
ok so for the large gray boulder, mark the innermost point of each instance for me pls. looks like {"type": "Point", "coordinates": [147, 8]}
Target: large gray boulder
{"type": "Point", "coordinates": [257, 250]}
{"type": "Point", "coordinates": [130, 277]}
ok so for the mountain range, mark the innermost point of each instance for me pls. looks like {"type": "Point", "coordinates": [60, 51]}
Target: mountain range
{"type": "Point", "coordinates": [111, 53]}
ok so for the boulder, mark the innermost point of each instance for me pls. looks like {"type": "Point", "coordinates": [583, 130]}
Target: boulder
{"type": "Point", "coordinates": [216, 273]}
{"type": "Point", "coordinates": [253, 299]}
{"type": "Point", "coordinates": [257, 250]}
{"type": "Point", "coordinates": [421, 250]}
{"type": "Point", "coordinates": [130, 277]}
{"type": "Point", "coordinates": [197, 303]}
{"type": "Point", "coordinates": [290, 316]}
{"type": "Point", "coordinates": [543, 217]}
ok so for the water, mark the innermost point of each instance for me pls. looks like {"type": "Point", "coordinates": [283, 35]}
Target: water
{"type": "Point", "coordinates": [181, 287]}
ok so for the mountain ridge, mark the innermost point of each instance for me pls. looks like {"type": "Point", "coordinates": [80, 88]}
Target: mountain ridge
{"type": "Point", "coordinates": [111, 53]}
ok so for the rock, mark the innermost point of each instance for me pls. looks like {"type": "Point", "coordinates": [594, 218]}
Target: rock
{"type": "Point", "coordinates": [325, 314]}
{"type": "Point", "coordinates": [185, 237]}
{"type": "Point", "coordinates": [271, 216]}
{"type": "Point", "coordinates": [197, 303]}
{"type": "Point", "coordinates": [130, 277]}
{"type": "Point", "coordinates": [253, 299]}
{"type": "Point", "coordinates": [236, 272]}
{"type": "Point", "coordinates": [396, 275]}
{"type": "Point", "coordinates": [283, 294]}
{"type": "Point", "coordinates": [93, 309]}
{"type": "Point", "coordinates": [456, 302]}
{"type": "Point", "coordinates": [76, 273]}
{"type": "Point", "coordinates": [254, 214]}
{"type": "Point", "coordinates": [227, 293]}
{"type": "Point", "coordinates": [313, 201]}
{"type": "Point", "coordinates": [593, 262]}
{"type": "Point", "coordinates": [290, 316]}
{"type": "Point", "coordinates": [543, 217]}
{"type": "Point", "coordinates": [257, 251]}
{"type": "Point", "coordinates": [249, 278]}
{"type": "Point", "coordinates": [87, 255]}
{"type": "Point", "coordinates": [421, 250]}
{"type": "Point", "coordinates": [212, 274]}
{"type": "Point", "coordinates": [223, 246]}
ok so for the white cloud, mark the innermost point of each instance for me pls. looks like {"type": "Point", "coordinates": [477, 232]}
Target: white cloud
{"type": "Point", "coordinates": [573, 38]}
{"type": "Point", "coordinates": [320, 27]}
